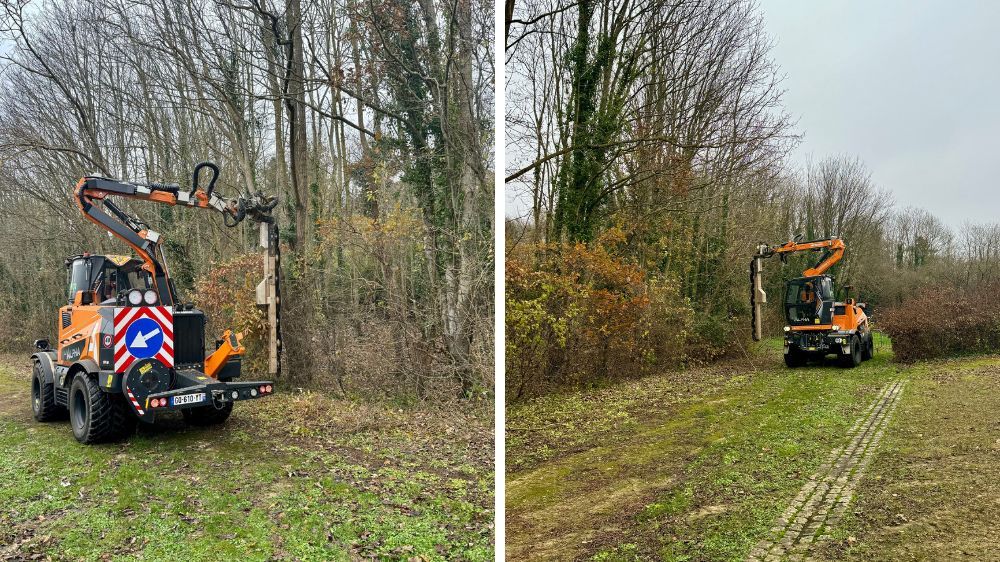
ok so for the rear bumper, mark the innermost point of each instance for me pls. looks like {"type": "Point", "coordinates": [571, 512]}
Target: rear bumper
{"type": "Point", "coordinates": [192, 389]}
{"type": "Point", "coordinates": [217, 393]}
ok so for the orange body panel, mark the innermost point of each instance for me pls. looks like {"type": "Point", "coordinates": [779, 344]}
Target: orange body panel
{"type": "Point", "coordinates": [852, 319]}
{"type": "Point", "coordinates": [85, 323]}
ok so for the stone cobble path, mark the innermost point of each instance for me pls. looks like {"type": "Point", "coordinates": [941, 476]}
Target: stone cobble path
{"type": "Point", "coordinates": [823, 500]}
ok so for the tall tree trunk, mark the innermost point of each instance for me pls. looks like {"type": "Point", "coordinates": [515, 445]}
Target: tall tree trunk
{"type": "Point", "coordinates": [298, 140]}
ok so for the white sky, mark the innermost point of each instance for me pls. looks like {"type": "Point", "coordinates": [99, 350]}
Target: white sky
{"type": "Point", "coordinates": [911, 87]}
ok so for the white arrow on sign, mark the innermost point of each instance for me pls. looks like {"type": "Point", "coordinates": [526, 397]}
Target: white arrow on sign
{"type": "Point", "coordinates": [140, 338]}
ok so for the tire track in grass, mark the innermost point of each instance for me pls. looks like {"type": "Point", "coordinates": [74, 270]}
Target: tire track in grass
{"type": "Point", "coordinates": [822, 501]}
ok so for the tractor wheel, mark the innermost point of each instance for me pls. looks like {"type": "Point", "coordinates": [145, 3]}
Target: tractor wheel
{"type": "Point", "coordinates": [95, 415]}
{"type": "Point", "coordinates": [853, 358]}
{"type": "Point", "coordinates": [208, 415]}
{"type": "Point", "coordinates": [43, 398]}
{"type": "Point", "coordinates": [868, 348]}
{"type": "Point", "coordinates": [794, 358]}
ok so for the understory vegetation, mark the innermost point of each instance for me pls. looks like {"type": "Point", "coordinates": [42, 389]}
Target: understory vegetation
{"type": "Point", "coordinates": [647, 159]}
{"type": "Point", "coordinates": [371, 123]}
{"type": "Point", "coordinates": [943, 321]}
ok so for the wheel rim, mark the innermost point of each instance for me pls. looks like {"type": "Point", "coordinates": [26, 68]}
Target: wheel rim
{"type": "Point", "coordinates": [36, 394]}
{"type": "Point", "coordinates": [79, 408]}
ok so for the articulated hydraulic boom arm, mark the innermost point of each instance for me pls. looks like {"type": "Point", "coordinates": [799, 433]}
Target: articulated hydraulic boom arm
{"type": "Point", "coordinates": [137, 234]}
{"type": "Point", "coordinates": [834, 251]}
{"type": "Point", "coordinates": [93, 193]}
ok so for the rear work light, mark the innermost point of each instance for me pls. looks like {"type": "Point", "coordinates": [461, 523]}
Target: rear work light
{"type": "Point", "coordinates": [150, 297]}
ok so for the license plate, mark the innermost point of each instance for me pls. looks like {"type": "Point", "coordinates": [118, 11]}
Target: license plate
{"type": "Point", "coordinates": [189, 399]}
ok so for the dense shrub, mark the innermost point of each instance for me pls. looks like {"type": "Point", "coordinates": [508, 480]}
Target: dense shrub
{"type": "Point", "coordinates": [944, 321]}
{"type": "Point", "coordinates": [578, 314]}
{"type": "Point", "coordinates": [227, 294]}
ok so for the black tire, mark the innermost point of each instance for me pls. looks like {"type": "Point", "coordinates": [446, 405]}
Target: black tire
{"type": "Point", "coordinates": [794, 358]}
{"type": "Point", "coordinates": [853, 358]}
{"type": "Point", "coordinates": [208, 415]}
{"type": "Point", "coordinates": [43, 397]}
{"type": "Point", "coordinates": [95, 415]}
{"type": "Point", "coordinates": [868, 349]}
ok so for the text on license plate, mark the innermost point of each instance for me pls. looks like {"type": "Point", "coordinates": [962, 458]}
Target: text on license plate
{"type": "Point", "coordinates": [189, 398]}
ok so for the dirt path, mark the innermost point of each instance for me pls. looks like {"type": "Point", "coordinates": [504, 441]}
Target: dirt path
{"type": "Point", "coordinates": [823, 500]}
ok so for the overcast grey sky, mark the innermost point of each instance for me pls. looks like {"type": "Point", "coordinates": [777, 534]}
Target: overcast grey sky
{"type": "Point", "coordinates": [911, 87]}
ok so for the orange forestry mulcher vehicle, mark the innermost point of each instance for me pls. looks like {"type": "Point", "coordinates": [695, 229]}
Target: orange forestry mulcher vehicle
{"type": "Point", "coordinates": [127, 347]}
{"type": "Point", "coordinates": [818, 324]}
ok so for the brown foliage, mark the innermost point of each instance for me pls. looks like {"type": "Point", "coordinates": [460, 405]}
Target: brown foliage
{"type": "Point", "coordinates": [579, 314]}
{"type": "Point", "coordinates": [227, 296]}
{"type": "Point", "coordinates": [944, 321]}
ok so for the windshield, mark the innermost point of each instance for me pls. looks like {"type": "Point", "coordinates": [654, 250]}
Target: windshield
{"type": "Point", "coordinates": [809, 291]}
{"type": "Point", "coordinates": [805, 298]}
{"type": "Point", "coordinates": [113, 280]}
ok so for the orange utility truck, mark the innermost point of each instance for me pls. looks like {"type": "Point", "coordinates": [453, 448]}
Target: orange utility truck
{"type": "Point", "coordinates": [817, 324]}
{"type": "Point", "coordinates": [127, 346]}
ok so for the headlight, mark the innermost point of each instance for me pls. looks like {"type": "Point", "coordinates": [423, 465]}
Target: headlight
{"type": "Point", "coordinates": [135, 297]}
{"type": "Point", "coordinates": [150, 297]}
{"type": "Point", "coordinates": [838, 340]}
{"type": "Point", "coordinates": [788, 328]}
{"type": "Point", "coordinates": [835, 328]}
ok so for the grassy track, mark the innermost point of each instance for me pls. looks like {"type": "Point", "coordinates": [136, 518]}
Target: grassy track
{"type": "Point", "coordinates": [698, 465]}
{"type": "Point", "coordinates": [934, 492]}
{"type": "Point", "coordinates": [296, 477]}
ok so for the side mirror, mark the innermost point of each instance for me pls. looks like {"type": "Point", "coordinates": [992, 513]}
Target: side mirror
{"type": "Point", "coordinates": [862, 305]}
{"type": "Point", "coordinates": [42, 345]}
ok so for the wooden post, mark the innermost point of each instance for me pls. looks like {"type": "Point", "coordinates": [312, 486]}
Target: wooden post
{"type": "Point", "coordinates": [269, 297]}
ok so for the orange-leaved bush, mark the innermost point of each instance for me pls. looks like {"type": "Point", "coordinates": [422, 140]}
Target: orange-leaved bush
{"type": "Point", "coordinates": [578, 314]}
{"type": "Point", "coordinates": [227, 294]}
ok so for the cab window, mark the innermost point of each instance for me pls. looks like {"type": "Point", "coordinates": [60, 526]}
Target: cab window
{"type": "Point", "coordinates": [77, 278]}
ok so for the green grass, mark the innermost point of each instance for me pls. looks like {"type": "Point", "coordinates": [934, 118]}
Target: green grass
{"type": "Point", "coordinates": [239, 492]}
{"type": "Point", "coordinates": [931, 492]}
{"type": "Point", "coordinates": [694, 466]}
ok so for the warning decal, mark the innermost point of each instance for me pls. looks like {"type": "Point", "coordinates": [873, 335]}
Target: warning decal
{"type": "Point", "coordinates": [142, 332]}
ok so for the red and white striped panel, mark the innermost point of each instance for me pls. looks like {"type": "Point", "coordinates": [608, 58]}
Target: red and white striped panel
{"type": "Point", "coordinates": [162, 315]}
{"type": "Point", "coordinates": [135, 403]}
